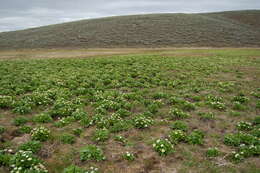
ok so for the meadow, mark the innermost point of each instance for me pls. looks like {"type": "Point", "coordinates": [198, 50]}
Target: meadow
{"type": "Point", "coordinates": [187, 110]}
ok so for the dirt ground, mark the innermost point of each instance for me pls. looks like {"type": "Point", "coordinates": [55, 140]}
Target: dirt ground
{"type": "Point", "coordinates": [84, 53]}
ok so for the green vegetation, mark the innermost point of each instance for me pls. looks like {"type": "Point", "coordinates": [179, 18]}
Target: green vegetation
{"type": "Point", "coordinates": [165, 110]}
{"type": "Point", "coordinates": [40, 134]}
{"type": "Point", "coordinates": [91, 152]}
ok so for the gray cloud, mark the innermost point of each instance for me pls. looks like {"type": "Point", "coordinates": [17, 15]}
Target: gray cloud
{"type": "Point", "coordinates": [21, 14]}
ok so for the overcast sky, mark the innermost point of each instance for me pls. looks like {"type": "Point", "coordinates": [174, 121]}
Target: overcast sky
{"type": "Point", "coordinates": [21, 14]}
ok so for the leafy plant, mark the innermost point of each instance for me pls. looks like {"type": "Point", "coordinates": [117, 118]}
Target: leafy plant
{"type": "Point", "coordinates": [141, 121]}
{"type": "Point", "coordinates": [43, 118]}
{"type": "Point", "coordinates": [4, 158]}
{"type": "Point", "coordinates": [179, 125]}
{"type": "Point", "coordinates": [241, 99]}
{"type": "Point", "coordinates": [2, 129]}
{"type": "Point", "coordinates": [40, 134]}
{"type": "Point", "coordinates": [73, 169]}
{"type": "Point", "coordinates": [91, 152]}
{"type": "Point", "coordinates": [77, 131]}
{"type": "Point", "coordinates": [176, 113]}
{"type": "Point", "coordinates": [163, 147]}
{"type": "Point", "coordinates": [212, 152]}
{"type": "Point", "coordinates": [206, 116]}
{"type": "Point", "coordinates": [25, 161]}
{"type": "Point", "coordinates": [18, 121]}
{"type": "Point", "coordinates": [25, 129]}
{"type": "Point", "coordinates": [187, 106]}
{"type": "Point", "coordinates": [195, 137]}
{"type": "Point", "coordinates": [244, 126]}
{"type": "Point", "coordinates": [67, 139]}
{"type": "Point", "coordinates": [128, 156]}
{"type": "Point", "coordinates": [101, 135]}
{"type": "Point", "coordinates": [239, 106]}
{"type": "Point", "coordinates": [33, 146]}
{"type": "Point", "coordinates": [64, 121]}
{"type": "Point", "coordinates": [120, 139]}
{"type": "Point", "coordinates": [79, 114]}
{"type": "Point", "coordinates": [6, 101]}
{"type": "Point", "coordinates": [177, 136]}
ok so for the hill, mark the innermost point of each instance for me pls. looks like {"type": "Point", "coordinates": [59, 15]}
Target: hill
{"type": "Point", "coordinates": [223, 29]}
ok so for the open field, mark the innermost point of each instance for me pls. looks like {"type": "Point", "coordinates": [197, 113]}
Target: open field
{"type": "Point", "coordinates": [130, 110]}
{"type": "Point", "coordinates": [223, 29]}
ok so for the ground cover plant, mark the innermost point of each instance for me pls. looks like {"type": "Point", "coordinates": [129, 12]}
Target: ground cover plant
{"type": "Point", "coordinates": [175, 111]}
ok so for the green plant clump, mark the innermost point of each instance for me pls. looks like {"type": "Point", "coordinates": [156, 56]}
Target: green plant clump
{"type": "Point", "coordinates": [40, 134]}
{"type": "Point", "coordinates": [33, 146]}
{"type": "Point", "coordinates": [101, 135]}
{"type": "Point", "coordinates": [91, 152]}
{"type": "Point", "coordinates": [25, 161]}
{"type": "Point", "coordinates": [212, 152]}
{"type": "Point", "coordinates": [163, 147]}
{"type": "Point", "coordinates": [67, 139]}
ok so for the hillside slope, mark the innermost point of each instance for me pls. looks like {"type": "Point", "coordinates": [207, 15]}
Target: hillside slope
{"type": "Point", "coordinates": [225, 29]}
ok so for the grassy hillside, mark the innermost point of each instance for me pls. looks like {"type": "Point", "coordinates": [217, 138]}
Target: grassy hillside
{"type": "Point", "coordinates": [233, 29]}
{"type": "Point", "coordinates": [184, 111]}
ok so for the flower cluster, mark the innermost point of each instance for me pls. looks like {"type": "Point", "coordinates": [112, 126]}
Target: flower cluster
{"type": "Point", "coordinates": [129, 156]}
{"type": "Point", "coordinates": [216, 102]}
{"type": "Point", "coordinates": [92, 170]}
{"type": "Point", "coordinates": [241, 99]}
{"type": "Point", "coordinates": [244, 126]}
{"type": "Point", "coordinates": [177, 136]}
{"type": "Point", "coordinates": [64, 121]}
{"type": "Point", "coordinates": [120, 139]}
{"type": "Point", "coordinates": [6, 101]}
{"type": "Point", "coordinates": [25, 161]}
{"type": "Point", "coordinates": [142, 122]}
{"type": "Point", "coordinates": [40, 134]}
{"type": "Point", "coordinates": [163, 147]}
{"type": "Point", "coordinates": [176, 113]}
